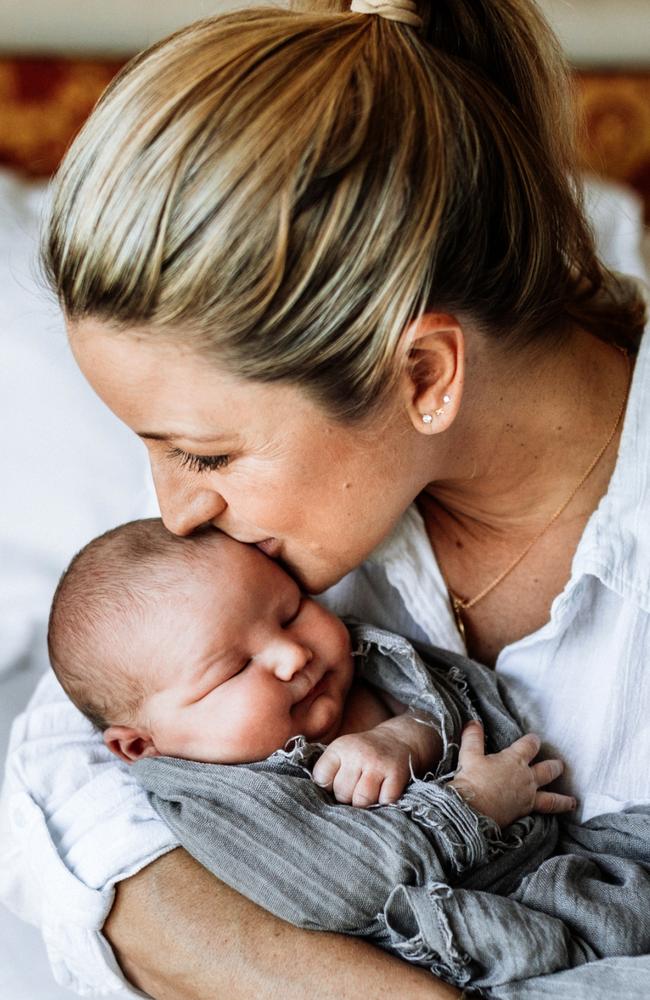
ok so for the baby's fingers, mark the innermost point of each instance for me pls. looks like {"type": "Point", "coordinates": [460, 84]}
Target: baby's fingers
{"type": "Point", "coordinates": [526, 747]}
{"type": "Point", "coordinates": [472, 743]}
{"type": "Point", "coordinates": [547, 771]}
{"type": "Point", "coordinates": [553, 802]}
{"type": "Point", "coordinates": [345, 782]}
{"type": "Point", "coordinates": [326, 768]}
{"type": "Point", "coordinates": [392, 787]}
{"type": "Point", "coordinates": [367, 788]}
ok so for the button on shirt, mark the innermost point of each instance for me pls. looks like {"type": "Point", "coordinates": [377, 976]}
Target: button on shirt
{"type": "Point", "coordinates": [73, 821]}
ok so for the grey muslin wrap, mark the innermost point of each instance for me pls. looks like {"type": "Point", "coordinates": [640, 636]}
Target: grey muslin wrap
{"type": "Point", "coordinates": [543, 909]}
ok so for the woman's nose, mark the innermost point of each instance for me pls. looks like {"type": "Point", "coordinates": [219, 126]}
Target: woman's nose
{"type": "Point", "coordinates": [184, 505]}
{"type": "Point", "coordinates": [288, 658]}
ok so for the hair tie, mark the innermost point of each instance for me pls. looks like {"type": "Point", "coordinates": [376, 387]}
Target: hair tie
{"type": "Point", "coordinates": [405, 11]}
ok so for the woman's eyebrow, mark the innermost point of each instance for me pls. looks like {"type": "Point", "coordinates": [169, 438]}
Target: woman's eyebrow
{"type": "Point", "coordinates": [185, 435]}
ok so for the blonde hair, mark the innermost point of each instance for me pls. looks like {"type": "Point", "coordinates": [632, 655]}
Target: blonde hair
{"type": "Point", "coordinates": [286, 189]}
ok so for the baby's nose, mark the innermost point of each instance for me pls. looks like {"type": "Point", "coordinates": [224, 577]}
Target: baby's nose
{"type": "Point", "coordinates": [288, 659]}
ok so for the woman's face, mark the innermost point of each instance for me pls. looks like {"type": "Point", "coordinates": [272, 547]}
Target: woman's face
{"type": "Point", "coordinates": [262, 462]}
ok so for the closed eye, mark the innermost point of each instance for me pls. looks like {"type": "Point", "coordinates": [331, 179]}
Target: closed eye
{"type": "Point", "coordinates": [199, 463]}
{"type": "Point", "coordinates": [214, 686]}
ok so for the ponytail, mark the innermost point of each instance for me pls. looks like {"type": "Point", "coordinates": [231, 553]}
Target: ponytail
{"type": "Point", "coordinates": [287, 190]}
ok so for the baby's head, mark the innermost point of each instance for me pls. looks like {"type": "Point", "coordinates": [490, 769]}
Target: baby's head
{"type": "Point", "coordinates": [200, 647]}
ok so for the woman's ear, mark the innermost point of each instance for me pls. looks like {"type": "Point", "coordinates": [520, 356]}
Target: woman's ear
{"type": "Point", "coordinates": [130, 744]}
{"type": "Point", "coordinates": [434, 373]}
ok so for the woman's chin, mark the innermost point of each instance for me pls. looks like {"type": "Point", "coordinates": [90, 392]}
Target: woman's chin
{"type": "Point", "coordinates": [314, 575]}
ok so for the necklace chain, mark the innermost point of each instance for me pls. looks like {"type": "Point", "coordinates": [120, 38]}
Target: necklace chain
{"type": "Point", "coordinates": [460, 604]}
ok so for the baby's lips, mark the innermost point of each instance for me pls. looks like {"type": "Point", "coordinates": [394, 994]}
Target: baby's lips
{"type": "Point", "coordinates": [305, 684]}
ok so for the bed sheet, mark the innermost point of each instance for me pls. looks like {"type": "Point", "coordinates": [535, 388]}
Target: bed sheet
{"type": "Point", "coordinates": [24, 968]}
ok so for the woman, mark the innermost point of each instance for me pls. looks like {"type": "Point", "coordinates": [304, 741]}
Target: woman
{"type": "Point", "coordinates": [327, 264]}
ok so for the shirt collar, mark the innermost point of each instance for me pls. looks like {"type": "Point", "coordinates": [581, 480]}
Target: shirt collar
{"type": "Point", "coordinates": [615, 545]}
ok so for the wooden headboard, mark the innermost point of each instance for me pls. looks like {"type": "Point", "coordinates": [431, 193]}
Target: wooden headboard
{"type": "Point", "coordinates": [44, 101]}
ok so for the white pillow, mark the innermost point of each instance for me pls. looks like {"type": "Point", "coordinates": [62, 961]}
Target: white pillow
{"type": "Point", "coordinates": [69, 469]}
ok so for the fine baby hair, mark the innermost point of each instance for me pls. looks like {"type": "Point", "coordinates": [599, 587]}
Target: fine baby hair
{"type": "Point", "coordinates": [285, 190]}
{"type": "Point", "coordinates": [99, 639]}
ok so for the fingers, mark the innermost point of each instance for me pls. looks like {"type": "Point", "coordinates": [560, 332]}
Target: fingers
{"type": "Point", "coordinates": [553, 802]}
{"type": "Point", "coordinates": [326, 768]}
{"type": "Point", "coordinates": [472, 743]}
{"type": "Point", "coordinates": [550, 802]}
{"type": "Point", "coordinates": [353, 784]}
{"type": "Point", "coordinates": [527, 747]}
{"type": "Point", "coordinates": [392, 787]}
{"type": "Point", "coordinates": [367, 790]}
{"type": "Point", "coordinates": [347, 780]}
{"type": "Point", "coordinates": [547, 771]}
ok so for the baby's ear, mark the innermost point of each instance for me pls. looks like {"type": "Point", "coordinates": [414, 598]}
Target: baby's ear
{"type": "Point", "coordinates": [130, 744]}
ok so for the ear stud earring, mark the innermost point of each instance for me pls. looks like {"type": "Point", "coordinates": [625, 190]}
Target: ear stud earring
{"type": "Point", "coordinates": [427, 418]}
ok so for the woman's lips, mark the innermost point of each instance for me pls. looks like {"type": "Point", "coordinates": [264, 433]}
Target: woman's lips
{"type": "Point", "coordinates": [270, 547]}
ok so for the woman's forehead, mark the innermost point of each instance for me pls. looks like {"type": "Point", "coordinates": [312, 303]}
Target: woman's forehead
{"type": "Point", "coordinates": [165, 391]}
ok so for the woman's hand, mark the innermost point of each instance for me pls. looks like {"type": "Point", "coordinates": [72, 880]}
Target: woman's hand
{"type": "Point", "coordinates": [505, 786]}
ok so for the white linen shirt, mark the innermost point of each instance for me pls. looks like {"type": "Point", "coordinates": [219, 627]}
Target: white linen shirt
{"type": "Point", "coordinates": [73, 822]}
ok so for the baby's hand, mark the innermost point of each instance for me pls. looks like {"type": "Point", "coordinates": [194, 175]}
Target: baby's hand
{"type": "Point", "coordinates": [363, 769]}
{"type": "Point", "coordinates": [505, 785]}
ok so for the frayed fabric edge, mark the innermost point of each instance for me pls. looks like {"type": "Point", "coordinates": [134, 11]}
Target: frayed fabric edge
{"type": "Point", "coordinates": [466, 838]}
{"type": "Point", "coordinates": [433, 703]}
{"type": "Point", "coordinates": [455, 966]}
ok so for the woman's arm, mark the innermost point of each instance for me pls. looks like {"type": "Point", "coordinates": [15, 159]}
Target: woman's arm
{"type": "Point", "coordinates": [180, 934]}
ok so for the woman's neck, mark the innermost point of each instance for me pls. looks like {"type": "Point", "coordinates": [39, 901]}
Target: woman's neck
{"type": "Point", "coordinates": [526, 433]}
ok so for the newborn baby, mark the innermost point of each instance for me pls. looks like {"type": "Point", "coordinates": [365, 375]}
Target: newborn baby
{"type": "Point", "coordinates": [205, 649]}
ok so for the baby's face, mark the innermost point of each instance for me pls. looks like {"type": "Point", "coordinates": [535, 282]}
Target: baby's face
{"type": "Point", "coordinates": [247, 662]}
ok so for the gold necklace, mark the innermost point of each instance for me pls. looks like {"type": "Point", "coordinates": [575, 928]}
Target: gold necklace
{"type": "Point", "coordinates": [460, 604]}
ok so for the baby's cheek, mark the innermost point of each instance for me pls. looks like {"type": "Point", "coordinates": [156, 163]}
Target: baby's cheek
{"type": "Point", "coordinates": [265, 727]}
{"type": "Point", "coordinates": [324, 721]}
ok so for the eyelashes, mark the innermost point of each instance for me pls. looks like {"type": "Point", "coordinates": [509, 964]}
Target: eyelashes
{"type": "Point", "coordinates": [199, 463]}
